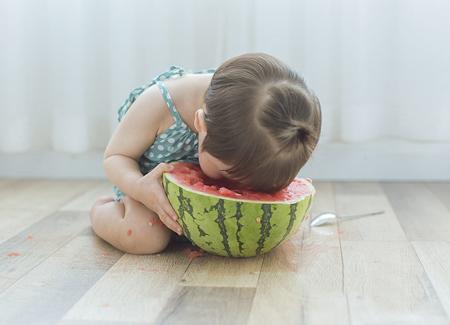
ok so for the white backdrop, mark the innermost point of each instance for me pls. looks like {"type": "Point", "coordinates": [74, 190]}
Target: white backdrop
{"type": "Point", "coordinates": [380, 67]}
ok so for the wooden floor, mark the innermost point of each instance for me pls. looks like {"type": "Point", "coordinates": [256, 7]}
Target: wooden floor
{"type": "Point", "coordinates": [386, 269]}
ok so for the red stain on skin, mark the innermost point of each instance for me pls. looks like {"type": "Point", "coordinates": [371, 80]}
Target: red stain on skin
{"type": "Point", "coordinates": [105, 254]}
{"type": "Point", "coordinates": [129, 232]}
{"type": "Point", "coordinates": [192, 253]}
{"type": "Point", "coordinates": [13, 254]}
{"type": "Point", "coordinates": [30, 237]}
{"type": "Point", "coordinates": [105, 305]}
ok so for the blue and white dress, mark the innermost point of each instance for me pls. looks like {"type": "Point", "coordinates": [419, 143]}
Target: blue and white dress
{"type": "Point", "coordinates": [178, 142]}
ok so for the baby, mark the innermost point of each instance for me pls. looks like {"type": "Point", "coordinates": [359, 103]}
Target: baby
{"type": "Point", "coordinates": [253, 121]}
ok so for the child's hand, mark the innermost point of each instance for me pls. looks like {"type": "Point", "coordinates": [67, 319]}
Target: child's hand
{"type": "Point", "coordinates": [151, 193]}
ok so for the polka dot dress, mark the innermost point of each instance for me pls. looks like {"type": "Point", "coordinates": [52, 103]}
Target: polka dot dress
{"type": "Point", "coordinates": [178, 142]}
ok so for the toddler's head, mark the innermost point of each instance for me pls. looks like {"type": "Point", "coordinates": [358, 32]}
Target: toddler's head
{"type": "Point", "coordinates": [260, 124]}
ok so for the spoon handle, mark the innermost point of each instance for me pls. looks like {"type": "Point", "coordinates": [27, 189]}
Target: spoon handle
{"type": "Point", "coordinates": [355, 216]}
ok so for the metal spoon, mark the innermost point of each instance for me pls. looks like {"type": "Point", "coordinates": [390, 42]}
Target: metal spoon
{"type": "Point", "coordinates": [328, 217]}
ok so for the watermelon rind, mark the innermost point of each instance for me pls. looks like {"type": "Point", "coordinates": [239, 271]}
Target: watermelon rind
{"type": "Point", "coordinates": [233, 227]}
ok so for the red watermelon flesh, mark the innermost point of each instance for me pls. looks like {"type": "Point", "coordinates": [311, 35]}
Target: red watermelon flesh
{"type": "Point", "coordinates": [192, 176]}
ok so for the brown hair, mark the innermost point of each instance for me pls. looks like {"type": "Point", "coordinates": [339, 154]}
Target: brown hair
{"type": "Point", "coordinates": [262, 120]}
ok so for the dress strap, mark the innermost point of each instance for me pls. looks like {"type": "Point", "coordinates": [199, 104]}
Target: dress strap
{"type": "Point", "coordinates": [173, 71]}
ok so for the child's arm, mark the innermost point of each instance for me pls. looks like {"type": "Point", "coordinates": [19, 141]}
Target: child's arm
{"type": "Point", "coordinates": [134, 134]}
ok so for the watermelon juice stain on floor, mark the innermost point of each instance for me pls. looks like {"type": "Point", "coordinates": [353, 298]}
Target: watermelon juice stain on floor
{"type": "Point", "coordinates": [192, 253]}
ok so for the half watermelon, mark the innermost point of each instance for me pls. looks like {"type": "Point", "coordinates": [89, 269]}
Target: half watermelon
{"type": "Point", "coordinates": [228, 221]}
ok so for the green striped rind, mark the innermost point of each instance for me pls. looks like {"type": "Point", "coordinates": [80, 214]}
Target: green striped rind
{"type": "Point", "coordinates": [229, 227]}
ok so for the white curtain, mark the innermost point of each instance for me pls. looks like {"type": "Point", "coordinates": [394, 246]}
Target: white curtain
{"type": "Point", "coordinates": [381, 68]}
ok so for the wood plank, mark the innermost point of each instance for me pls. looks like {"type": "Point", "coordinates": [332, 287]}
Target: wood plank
{"type": "Point", "coordinates": [301, 288]}
{"type": "Point", "coordinates": [87, 322]}
{"type": "Point", "coordinates": [435, 257]}
{"type": "Point", "coordinates": [16, 214]}
{"type": "Point", "coordinates": [323, 201]}
{"type": "Point", "coordinates": [386, 284]}
{"type": "Point", "coordinates": [442, 192]}
{"type": "Point", "coordinates": [207, 305]}
{"type": "Point", "coordinates": [301, 281]}
{"type": "Point", "coordinates": [135, 289]}
{"type": "Point", "coordinates": [13, 221]}
{"type": "Point", "coordinates": [41, 194]}
{"type": "Point", "coordinates": [26, 250]}
{"type": "Point", "coordinates": [6, 182]}
{"type": "Point", "coordinates": [8, 187]}
{"type": "Point", "coordinates": [358, 198]}
{"type": "Point", "coordinates": [216, 271]}
{"type": "Point", "coordinates": [422, 215]}
{"type": "Point", "coordinates": [85, 201]}
{"type": "Point", "coordinates": [53, 286]}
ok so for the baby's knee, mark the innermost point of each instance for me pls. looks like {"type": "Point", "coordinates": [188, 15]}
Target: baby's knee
{"type": "Point", "coordinates": [102, 207]}
{"type": "Point", "coordinates": [141, 242]}
{"type": "Point", "coordinates": [101, 201]}
{"type": "Point", "coordinates": [94, 213]}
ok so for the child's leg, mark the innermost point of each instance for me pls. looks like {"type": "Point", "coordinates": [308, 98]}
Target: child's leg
{"type": "Point", "coordinates": [129, 226]}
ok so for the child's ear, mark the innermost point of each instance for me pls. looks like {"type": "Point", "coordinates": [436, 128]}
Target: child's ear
{"type": "Point", "coordinates": [199, 121]}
